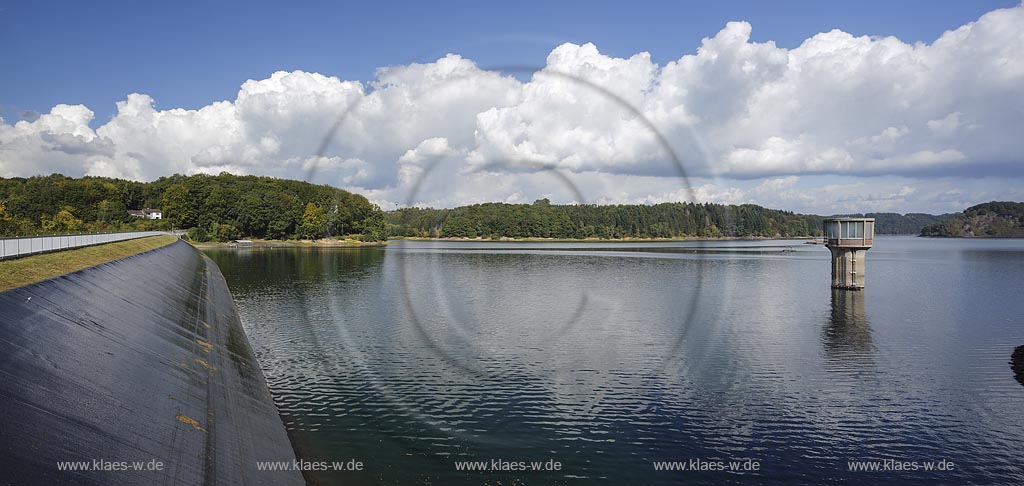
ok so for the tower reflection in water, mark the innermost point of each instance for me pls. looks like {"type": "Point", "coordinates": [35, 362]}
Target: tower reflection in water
{"type": "Point", "coordinates": [847, 334]}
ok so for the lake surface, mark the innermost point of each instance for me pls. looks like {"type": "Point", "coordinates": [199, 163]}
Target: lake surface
{"type": "Point", "coordinates": [608, 357]}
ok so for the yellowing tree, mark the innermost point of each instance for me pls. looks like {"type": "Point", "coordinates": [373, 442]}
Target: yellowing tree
{"type": "Point", "coordinates": [62, 222]}
{"type": "Point", "coordinates": [7, 223]}
{"type": "Point", "coordinates": [314, 222]}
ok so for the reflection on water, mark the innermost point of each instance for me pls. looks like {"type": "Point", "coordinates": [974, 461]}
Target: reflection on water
{"type": "Point", "coordinates": [847, 335]}
{"type": "Point", "coordinates": [1017, 364]}
{"type": "Point", "coordinates": [609, 357]}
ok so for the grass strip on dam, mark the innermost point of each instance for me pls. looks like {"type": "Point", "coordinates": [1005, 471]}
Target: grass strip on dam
{"type": "Point", "coordinates": [36, 268]}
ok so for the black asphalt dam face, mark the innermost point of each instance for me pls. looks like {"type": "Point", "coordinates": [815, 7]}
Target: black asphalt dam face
{"type": "Point", "coordinates": [140, 363]}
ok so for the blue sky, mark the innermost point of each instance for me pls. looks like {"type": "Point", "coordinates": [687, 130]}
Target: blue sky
{"type": "Point", "coordinates": [824, 107]}
{"type": "Point", "coordinates": [187, 54]}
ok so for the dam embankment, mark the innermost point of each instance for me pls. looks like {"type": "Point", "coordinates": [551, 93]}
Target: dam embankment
{"type": "Point", "coordinates": [141, 361]}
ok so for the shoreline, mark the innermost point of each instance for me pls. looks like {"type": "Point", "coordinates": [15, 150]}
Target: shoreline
{"type": "Point", "coordinates": [944, 237]}
{"type": "Point", "coordinates": [602, 240]}
{"type": "Point", "coordinates": [323, 243]}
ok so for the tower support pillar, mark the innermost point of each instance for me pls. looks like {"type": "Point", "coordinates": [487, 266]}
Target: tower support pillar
{"type": "Point", "coordinates": [848, 266]}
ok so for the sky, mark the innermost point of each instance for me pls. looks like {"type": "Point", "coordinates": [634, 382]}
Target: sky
{"type": "Point", "coordinates": [820, 107]}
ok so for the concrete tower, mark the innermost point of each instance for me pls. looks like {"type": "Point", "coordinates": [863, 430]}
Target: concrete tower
{"type": "Point", "coordinates": [848, 239]}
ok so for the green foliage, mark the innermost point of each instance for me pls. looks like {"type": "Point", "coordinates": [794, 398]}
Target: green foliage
{"type": "Point", "coordinates": [669, 220]}
{"type": "Point", "coordinates": [996, 219]}
{"type": "Point", "coordinates": [314, 223]}
{"type": "Point", "coordinates": [179, 206]}
{"type": "Point", "coordinates": [952, 228]}
{"type": "Point", "coordinates": [62, 222]}
{"type": "Point", "coordinates": [8, 224]}
{"type": "Point", "coordinates": [544, 220]}
{"type": "Point", "coordinates": [197, 234]}
{"type": "Point", "coordinates": [222, 207]}
{"type": "Point", "coordinates": [373, 227]}
{"type": "Point", "coordinates": [226, 232]}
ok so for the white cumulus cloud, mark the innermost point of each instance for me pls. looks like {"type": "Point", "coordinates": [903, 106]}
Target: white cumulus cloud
{"type": "Point", "coordinates": [750, 121]}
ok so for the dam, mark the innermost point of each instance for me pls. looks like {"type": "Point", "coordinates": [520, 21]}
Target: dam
{"type": "Point", "coordinates": [141, 361]}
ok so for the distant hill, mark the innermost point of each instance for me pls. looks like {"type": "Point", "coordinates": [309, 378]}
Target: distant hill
{"type": "Point", "coordinates": [989, 220]}
{"type": "Point", "coordinates": [903, 224]}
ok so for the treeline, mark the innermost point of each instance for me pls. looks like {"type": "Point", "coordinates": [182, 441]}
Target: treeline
{"type": "Point", "coordinates": [545, 220]}
{"type": "Point", "coordinates": [996, 219]}
{"type": "Point", "coordinates": [58, 204]}
{"type": "Point", "coordinates": [221, 207]}
{"type": "Point", "coordinates": [225, 207]}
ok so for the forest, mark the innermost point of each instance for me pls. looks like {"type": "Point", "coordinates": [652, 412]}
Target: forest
{"type": "Point", "coordinates": [996, 219]}
{"type": "Point", "coordinates": [225, 207]}
{"type": "Point", "coordinates": [212, 208]}
{"type": "Point", "coordinates": [545, 220]}
{"type": "Point", "coordinates": [668, 220]}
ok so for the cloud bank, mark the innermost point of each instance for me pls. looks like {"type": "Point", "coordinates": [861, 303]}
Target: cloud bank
{"type": "Point", "coordinates": [837, 123]}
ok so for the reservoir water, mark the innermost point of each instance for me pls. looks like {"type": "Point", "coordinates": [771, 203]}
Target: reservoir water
{"type": "Point", "coordinates": [612, 358]}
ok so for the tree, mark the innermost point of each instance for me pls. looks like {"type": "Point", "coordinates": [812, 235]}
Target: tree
{"type": "Point", "coordinates": [253, 206]}
{"type": "Point", "coordinates": [104, 208]}
{"type": "Point", "coordinates": [198, 234]}
{"type": "Point", "coordinates": [314, 223]}
{"type": "Point", "coordinates": [545, 220]}
{"type": "Point", "coordinates": [179, 207]}
{"type": "Point", "coordinates": [374, 227]}
{"type": "Point", "coordinates": [226, 232]}
{"type": "Point", "coordinates": [8, 225]}
{"type": "Point", "coordinates": [62, 222]}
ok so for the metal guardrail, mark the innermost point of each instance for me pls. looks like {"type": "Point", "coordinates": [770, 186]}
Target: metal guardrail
{"type": "Point", "coordinates": [34, 245]}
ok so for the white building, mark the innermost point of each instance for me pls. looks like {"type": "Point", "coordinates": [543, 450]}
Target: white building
{"type": "Point", "coordinates": [146, 213]}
